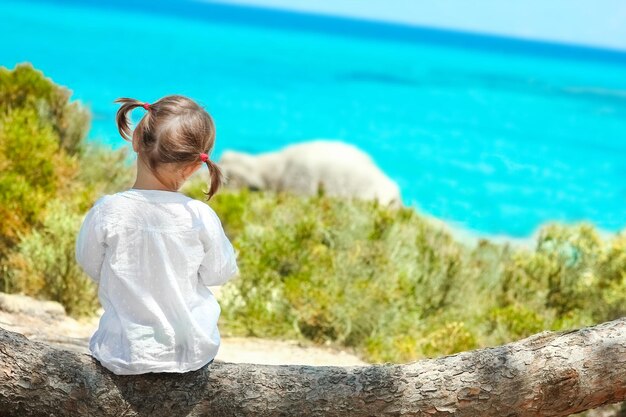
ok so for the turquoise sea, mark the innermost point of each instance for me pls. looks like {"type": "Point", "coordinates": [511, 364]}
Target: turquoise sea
{"type": "Point", "coordinates": [494, 135]}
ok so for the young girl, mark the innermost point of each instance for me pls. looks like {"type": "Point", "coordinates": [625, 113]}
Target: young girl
{"type": "Point", "coordinates": [153, 250]}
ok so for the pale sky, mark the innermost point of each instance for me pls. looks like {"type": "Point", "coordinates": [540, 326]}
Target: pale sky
{"type": "Point", "coordinates": [599, 23]}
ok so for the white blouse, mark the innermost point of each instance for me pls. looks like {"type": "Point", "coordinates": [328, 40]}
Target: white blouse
{"type": "Point", "coordinates": [153, 252]}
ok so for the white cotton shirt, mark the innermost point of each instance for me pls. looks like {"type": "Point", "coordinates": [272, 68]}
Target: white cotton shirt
{"type": "Point", "coordinates": [153, 253]}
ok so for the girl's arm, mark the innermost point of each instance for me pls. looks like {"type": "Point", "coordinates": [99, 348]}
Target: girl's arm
{"type": "Point", "coordinates": [90, 246]}
{"type": "Point", "coordinates": [220, 262]}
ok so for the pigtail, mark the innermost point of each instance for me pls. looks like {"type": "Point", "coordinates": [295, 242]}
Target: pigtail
{"type": "Point", "coordinates": [172, 131]}
{"type": "Point", "coordinates": [216, 178]}
{"type": "Point", "coordinates": [122, 119]}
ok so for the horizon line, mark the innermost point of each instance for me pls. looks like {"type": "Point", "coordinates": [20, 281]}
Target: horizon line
{"type": "Point", "coordinates": [356, 27]}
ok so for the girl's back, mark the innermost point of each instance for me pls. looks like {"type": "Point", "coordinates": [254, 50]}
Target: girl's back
{"type": "Point", "coordinates": [153, 253]}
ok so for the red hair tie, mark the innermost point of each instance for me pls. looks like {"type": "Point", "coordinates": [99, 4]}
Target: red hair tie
{"type": "Point", "coordinates": [146, 106]}
{"type": "Point", "coordinates": [204, 157]}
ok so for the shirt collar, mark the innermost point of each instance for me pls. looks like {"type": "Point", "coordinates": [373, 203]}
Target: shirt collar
{"type": "Point", "coordinates": [161, 196]}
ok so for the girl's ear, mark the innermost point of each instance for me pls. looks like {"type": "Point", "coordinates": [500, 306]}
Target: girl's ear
{"type": "Point", "coordinates": [135, 143]}
{"type": "Point", "coordinates": [192, 168]}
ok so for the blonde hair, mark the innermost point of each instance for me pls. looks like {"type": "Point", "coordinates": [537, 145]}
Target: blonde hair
{"type": "Point", "coordinates": [175, 129]}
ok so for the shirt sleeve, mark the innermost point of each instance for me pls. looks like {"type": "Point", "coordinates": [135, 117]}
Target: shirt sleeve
{"type": "Point", "coordinates": [90, 245]}
{"type": "Point", "coordinates": [219, 263]}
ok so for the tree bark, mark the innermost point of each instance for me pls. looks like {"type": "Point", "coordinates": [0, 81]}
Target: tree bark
{"type": "Point", "coordinates": [548, 374]}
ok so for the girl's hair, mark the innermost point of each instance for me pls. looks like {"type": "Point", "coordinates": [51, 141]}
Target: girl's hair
{"type": "Point", "coordinates": [174, 129]}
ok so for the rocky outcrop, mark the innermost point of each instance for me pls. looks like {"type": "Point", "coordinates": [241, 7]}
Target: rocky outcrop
{"type": "Point", "coordinates": [45, 321]}
{"type": "Point", "coordinates": [338, 168]}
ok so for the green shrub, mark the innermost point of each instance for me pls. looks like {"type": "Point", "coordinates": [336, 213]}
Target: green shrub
{"type": "Point", "coordinates": [397, 287]}
{"type": "Point", "coordinates": [514, 322]}
{"type": "Point", "coordinates": [572, 278]}
{"type": "Point", "coordinates": [339, 271]}
{"type": "Point", "coordinates": [44, 266]}
{"type": "Point", "coordinates": [26, 88]}
{"type": "Point", "coordinates": [451, 337]}
{"type": "Point", "coordinates": [34, 170]}
{"type": "Point", "coordinates": [48, 178]}
{"type": "Point", "coordinates": [40, 130]}
{"type": "Point", "coordinates": [102, 171]}
{"type": "Point", "coordinates": [387, 282]}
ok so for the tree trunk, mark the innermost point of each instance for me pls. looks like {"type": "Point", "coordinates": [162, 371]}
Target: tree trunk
{"type": "Point", "coordinates": [549, 374]}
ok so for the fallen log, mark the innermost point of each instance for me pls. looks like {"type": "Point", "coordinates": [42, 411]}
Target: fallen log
{"type": "Point", "coordinates": [548, 374]}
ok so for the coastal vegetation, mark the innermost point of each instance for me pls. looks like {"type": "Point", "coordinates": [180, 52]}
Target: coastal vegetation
{"type": "Point", "coordinates": [397, 287]}
{"type": "Point", "coordinates": [387, 282]}
{"type": "Point", "coordinates": [49, 176]}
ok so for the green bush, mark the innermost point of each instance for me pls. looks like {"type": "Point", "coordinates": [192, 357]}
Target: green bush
{"type": "Point", "coordinates": [348, 272]}
{"type": "Point", "coordinates": [514, 322]}
{"type": "Point", "coordinates": [572, 278]}
{"type": "Point", "coordinates": [48, 178]}
{"type": "Point", "coordinates": [387, 282]}
{"type": "Point", "coordinates": [398, 288]}
{"type": "Point", "coordinates": [34, 170]}
{"type": "Point", "coordinates": [43, 263]}
{"type": "Point", "coordinates": [26, 88]}
{"type": "Point", "coordinates": [102, 171]}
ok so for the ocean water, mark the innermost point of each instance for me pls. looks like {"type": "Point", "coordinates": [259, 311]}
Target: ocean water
{"type": "Point", "coordinates": [491, 135]}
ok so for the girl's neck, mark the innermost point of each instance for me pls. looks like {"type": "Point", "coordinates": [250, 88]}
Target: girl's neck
{"type": "Point", "coordinates": [146, 180]}
{"type": "Point", "coordinates": [150, 184]}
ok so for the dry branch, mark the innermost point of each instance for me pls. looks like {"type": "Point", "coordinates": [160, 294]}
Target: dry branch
{"type": "Point", "coordinates": [549, 374]}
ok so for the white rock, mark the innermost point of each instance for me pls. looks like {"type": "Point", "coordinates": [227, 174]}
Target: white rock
{"type": "Point", "coordinates": [340, 169]}
{"type": "Point", "coordinates": [22, 304]}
